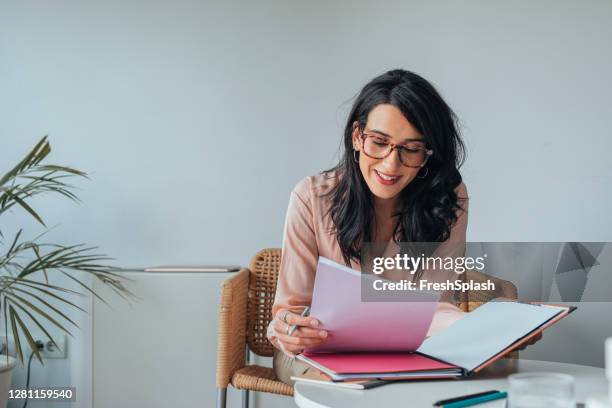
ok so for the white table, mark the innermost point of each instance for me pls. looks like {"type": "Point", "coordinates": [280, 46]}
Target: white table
{"type": "Point", "coordinates": [589, 381]}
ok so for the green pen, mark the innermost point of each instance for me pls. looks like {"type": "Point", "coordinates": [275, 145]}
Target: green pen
{"type": "Point", "coordinates": [476, 400]}
{"type": "Point", "coordinates": [463, 397]}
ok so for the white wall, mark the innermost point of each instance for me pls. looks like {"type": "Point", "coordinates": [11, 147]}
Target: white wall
{"type": "Point", "coordinates": [144, 356]}
{"type": "Point", "coordinates": [196, 118]}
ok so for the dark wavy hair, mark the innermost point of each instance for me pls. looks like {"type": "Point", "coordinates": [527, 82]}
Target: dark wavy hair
{"type": "Point", "coordinates": [428, 205]}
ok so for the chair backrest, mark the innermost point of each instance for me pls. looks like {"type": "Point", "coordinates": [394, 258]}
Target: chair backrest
{"type": "Point", "coordinates": [264, 269]}
{"type": "Point", "coordinates": [262, 289]}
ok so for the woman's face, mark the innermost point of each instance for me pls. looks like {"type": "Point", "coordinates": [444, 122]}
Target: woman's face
{"type": "Point", "coordinates": [387, 177]}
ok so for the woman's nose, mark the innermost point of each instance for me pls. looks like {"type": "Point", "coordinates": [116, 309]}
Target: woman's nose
{"type": "Point", "coordinates": [392, 161]}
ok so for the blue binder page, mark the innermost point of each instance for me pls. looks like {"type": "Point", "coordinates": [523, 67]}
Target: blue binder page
{"type": "Point", "coordinates": [486, 331]}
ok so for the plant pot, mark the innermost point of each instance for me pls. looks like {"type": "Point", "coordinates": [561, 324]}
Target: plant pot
{"type": "Point", "coordinates": [6, 371]}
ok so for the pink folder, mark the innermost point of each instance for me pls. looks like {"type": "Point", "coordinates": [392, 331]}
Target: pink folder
{"type": "Point", "coordinates": [355, 325]}
{"type": "Point", "coordinates": [348, 363]}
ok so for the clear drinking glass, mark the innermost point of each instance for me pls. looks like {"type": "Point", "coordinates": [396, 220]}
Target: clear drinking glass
{"type": "Point", "coordinates": [550, 390]}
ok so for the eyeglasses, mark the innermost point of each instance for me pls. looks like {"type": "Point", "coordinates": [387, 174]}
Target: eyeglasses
{"type": "Point", "coordinates": [410, 154]}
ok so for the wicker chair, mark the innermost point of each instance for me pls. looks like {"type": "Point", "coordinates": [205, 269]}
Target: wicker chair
{"type": "Point", "coordinates": [245, 311]}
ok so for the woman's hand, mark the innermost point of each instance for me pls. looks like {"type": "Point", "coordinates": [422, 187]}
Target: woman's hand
{"type": "Point", "coordinates": [306, 335]}
{"type": "Point", "coordinates": [531, 341]}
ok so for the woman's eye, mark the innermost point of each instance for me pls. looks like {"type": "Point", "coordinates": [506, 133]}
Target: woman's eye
{"type": "Point", "coordinates": [379, 141]}
{"type": "Point", "coordinates": [413, 149]}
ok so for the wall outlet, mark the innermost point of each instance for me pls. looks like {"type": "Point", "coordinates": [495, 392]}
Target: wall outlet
{"type": "Point", "coordinates": [49, 350]}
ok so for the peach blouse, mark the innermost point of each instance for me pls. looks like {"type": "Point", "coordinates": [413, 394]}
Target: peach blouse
{"type": "Point", "coordinates": [308, 234]}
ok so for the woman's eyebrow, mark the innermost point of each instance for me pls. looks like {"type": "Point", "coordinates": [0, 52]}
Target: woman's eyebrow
{"type": "Point", "coordinates": [380, 132]}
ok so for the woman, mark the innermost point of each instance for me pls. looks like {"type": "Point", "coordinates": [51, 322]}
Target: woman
{"type": "Point", "coordinates": [398, 181]}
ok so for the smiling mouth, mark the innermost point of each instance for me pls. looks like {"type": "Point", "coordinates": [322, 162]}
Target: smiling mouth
{"type": "Point", "coordinates": [386, 179]}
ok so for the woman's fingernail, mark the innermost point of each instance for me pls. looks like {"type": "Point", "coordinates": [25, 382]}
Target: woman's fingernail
{"type": "Point", "coordinates": [314, 323]}
{"type": "Point", "coordinates": [323, 333]}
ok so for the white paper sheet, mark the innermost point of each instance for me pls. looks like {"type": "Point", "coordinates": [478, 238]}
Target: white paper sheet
{"type": "Point", "coordinates": [355, 325]}
{"type": "Point", "coordinates": [486, 331]}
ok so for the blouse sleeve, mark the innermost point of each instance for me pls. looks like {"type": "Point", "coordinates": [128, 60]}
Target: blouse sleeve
{"type": "Point", "coordinates": [299, 254]}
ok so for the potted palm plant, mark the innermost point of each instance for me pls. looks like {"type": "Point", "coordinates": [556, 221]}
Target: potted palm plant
{"type": "Point", "coordinates": [27, 267]}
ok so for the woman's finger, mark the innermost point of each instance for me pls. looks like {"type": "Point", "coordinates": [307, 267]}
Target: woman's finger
{"type": "Point", "coordinates": [531, 341]}
{"type": "Point", "coordinates": [280, 327]}
{"type": "Point", "coordinates": [282, 314]}
{"type": "Point", "coordinates": [299, 341]}
{"type": "Point", "coordinates": [310, 332]}
{"type": "Point", "coordinates": [296, 319]}
{"type": "Point", "coordinates": [535, 338]}
{"type": "Point", "coordinates": [293, 349]}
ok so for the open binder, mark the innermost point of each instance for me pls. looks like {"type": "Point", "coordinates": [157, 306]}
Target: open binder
{"type": "Point", "coordinates": [467, 346]}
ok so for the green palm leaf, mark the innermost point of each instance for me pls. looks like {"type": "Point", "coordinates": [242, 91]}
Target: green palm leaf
{"type": "Point", "coordinates": [35, 320]}
{"type": "Point", "coordinates": [23, 261]}
{"type": "Point", "coordinates": [27, 334]}
{"type": "Point", "coordinates": [18, 349]}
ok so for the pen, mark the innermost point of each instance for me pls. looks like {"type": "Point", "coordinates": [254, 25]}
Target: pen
{"type": "Point", "coordinates": [463, 397]}
{"type": "Point", "coordinates": [293, 328]}
{"type": "Point", "coordinates": [476, 400]}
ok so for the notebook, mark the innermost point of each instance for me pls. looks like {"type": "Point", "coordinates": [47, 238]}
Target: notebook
{"type": "Point", "coordinates": [317, 377]}
{"type": "Point", "coordinates": [467, 346]}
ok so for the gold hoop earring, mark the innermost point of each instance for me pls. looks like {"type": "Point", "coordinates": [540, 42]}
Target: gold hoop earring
{"type": "Point", "coordinates": [355, 156]}
{"type": "Point", "coordinates": [424, 175]}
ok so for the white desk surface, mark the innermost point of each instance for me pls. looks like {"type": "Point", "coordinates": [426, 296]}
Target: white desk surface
{"type": "Point", "coordinates": [589, 381]}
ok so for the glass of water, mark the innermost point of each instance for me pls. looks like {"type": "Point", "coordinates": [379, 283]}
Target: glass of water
{"type": "Point", "coordinates": [550, 390]}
